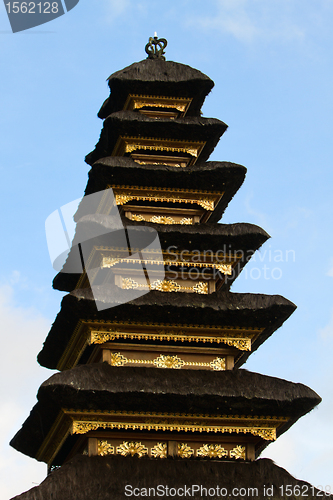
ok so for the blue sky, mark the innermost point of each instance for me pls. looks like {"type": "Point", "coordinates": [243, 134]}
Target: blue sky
{"type": "Point", "coordinates": [272, 66]}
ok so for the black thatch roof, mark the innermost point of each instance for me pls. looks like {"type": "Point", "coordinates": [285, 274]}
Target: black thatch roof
{"type": "Point", "coordinates": [130, 123]}
{"type": "Point", "coordinates": [105, 478]}
{"type": "Point", "coordinates": [245, 238]}
{"type": "Point", "coordinates": [222, 309]}
{"type": "Point", "coordinates": [211, 176]}
{"type": "Point", "coordinates": [101, 387]}
{"type": "Point", "coordinates": [158, 78]}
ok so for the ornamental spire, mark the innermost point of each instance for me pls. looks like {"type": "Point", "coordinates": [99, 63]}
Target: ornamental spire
{"type": "Point", "coordinates": [155, 47]}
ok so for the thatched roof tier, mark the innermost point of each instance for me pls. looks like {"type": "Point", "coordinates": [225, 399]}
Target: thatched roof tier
{"type": "Point", "coordinates": [211, 176]}
{"type": "Point", "coordinates": [132, 124]}
{"type": "Point", "coordinates": [161, 309]}
{"type": "Point", "coordinates": [103, 388]}
{"type": "Point", "coordinates": [82, 477]}
{"type": "Point", "coordinates": [100, 230]}
{"type": "Point", "coordinates": [158, 78]}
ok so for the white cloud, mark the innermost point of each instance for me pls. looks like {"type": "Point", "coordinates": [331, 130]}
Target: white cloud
{"type": "Point", "coordinates": [116, 9]}
{"type": "Point", "coordinates": [260, 217]}
{"type": "Point", "coordinates": [22, 333]}
{"type": "Point", "coordinates": [232, 18]}
{"type": "Point", "coordinates": [330, 272]}
{"type": "Point", "coordinates": [327, 331]}
{"type": "Point", "coordinates": [304, 450]}
{"type": "Point", "coordinates": [247, 20]}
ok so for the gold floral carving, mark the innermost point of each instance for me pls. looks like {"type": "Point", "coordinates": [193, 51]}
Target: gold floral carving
{"type": "Point", "coordinates": [162, 219]}
{"type": "Point", "coordinates": [84, 427]}
{"type": "Point", "coordinates": [218, 364]}
{"type": "Point", "coordinates": [169, 362]}
{"type": "Point", "coordinates": [138, 218]}
{"type": "Point", "coordinates": [109, 261]}
{"type": "Point", "coordinates": [200, 287]}
{"type": "Point", "coordinates": [159, 450]}
{"type": "Point", "coordinates": [267, 434]}
{"type": "Point", "coordinates": [105, 448]}
{"type": "Point", "coordinates": [212, 451]}
{"type": "Point", "coordinates": [238, 452]}
{"type": "Point", "coordinates": [97, 337]}
{"type": "Point", "coordinates": [122, 199]}
{"type": "Point", "coordinates": [118, 359]}
{"type": "Point", "coordinates": [165, 286]}
{"type": "Point", "coordinates": [206, 204]}
{"type": "Point", "coordinates": [224, 268]}
{"type": "Point", "coordinates": [241, 344]}
{"type": "Point", "coordinates": [132, 448]}
{"type": "Point", "coordinates": [185, 451]}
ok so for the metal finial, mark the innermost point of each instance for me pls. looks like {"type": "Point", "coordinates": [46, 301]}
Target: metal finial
{"type": "Point", "coordinates": [155, 47]}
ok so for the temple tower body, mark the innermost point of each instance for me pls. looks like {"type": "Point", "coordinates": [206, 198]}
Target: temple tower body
{"type": "Point", "coordinates": [149, 341]}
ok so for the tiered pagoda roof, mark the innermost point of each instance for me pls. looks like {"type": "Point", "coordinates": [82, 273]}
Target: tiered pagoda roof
{"type": "Point", "coordinates": [149, 380]}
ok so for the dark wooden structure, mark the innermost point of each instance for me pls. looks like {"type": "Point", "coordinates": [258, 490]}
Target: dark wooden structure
{"type": "Point", "coordinates": [153, 384]}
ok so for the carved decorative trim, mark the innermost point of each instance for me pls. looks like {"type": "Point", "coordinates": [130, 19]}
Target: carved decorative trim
{"type": "Point", "coordinates": [167, 361]}
{"type": "Point", "coordinates": [239, 343]}
{"type": "Point", "coordinates": [129, 144]}
{"type": "Point", "coordinates": [118, 359]}
{"type": "Point", "coordinates": [267, 434]}
{"type": "Point", "coordinates": [165, 286]}
{"type": "Point", "coordinates": [218, 364]}
{"type": "Point", "coordinates": [162, 219]}
{"type": "Point", "coordinates": [138, 218]}
{"type": "Point", "coordinates": [136, 101]}
{"type": "Point", "coordinates": [104, 448]}
{"type": "Point", "coordinates": [160, 450]}
{"type": "Point", "coordinates": [185, 451]}
{"type": "Point", "coordinates": [132, 448]}
{"type": "Point", "coordinates": [206, 200]}
{"type": "Point", "coordinates": [156, 104]}
{"type": "Point", "coordinates": [94, 331]}
{"type": "Point", "coordinates": [212, 451]}
{"type": "Point", "coordinates": [239, 452]}
{"type": "Point", "coordinates": [84, 421]}
{"type": "Point", "coordinates": [123, 198]}
{"type": "Point", "coordinates": [161, 422]}
{"type": "Point", "coordinates": [108, 262]}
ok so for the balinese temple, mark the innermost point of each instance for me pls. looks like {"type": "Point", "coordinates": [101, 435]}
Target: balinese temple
{"type": "Point", "coordinates": [150, 342]}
